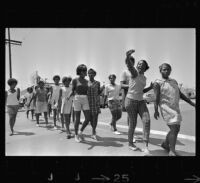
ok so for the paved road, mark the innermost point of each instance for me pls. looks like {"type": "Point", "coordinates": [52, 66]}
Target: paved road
{"type": "Point", "coordinates": [41, 141]}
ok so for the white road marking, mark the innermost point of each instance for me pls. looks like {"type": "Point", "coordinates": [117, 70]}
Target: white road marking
{"type": "Point", "coordinates": [155, 132]}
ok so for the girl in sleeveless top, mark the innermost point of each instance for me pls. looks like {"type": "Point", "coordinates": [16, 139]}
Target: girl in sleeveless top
{"type": "Point", "coordinates": [168, 95]}
{"type": "Point", "coordinates": [134, 102]}
{"type": "Point", "coordinates": [80, 102]}
{"type": "Point", "coordinates": [54, 99]}
{"type": "Point", "coordinates": [28, 97]}
{"type": "Point", "coordinates": [66, 104]}
{"type": "Point", "coordinates": [12, 102]}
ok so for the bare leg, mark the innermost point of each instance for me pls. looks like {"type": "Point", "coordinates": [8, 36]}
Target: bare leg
{"type": "Point", "coordinates": [45, 117]}
{"type": "Point", "coordinates": [87, 119]}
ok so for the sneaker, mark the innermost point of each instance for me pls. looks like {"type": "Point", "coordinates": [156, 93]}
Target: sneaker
{"type": "Point", "coordinates": [117, 133]}
{"type": "Point", "coordinates": [68, 136]}
{"type": "Point", "coordinates": [111, 127]}
{"type": "Point", "coordinates": [77, 138]}
{"type": "Point", "coordinates": [133, 147]}
{"type": "Point", "coordinates": [81, 135]}
{"type": "Point", "coordinates": [55, 128]}
{"type": "Point", "coordinates": [94, 137]}
{"type": "Point", "coordinates": [62, 129]}
{"type": "Point", "coordinates": [146, 152]}
{"type": "Point", "coordinates": [134, 140]}
{"type": "Point", "coordinates": [37, 125]}
{"type": "Point", "coordinates": [171, 153]}
{"type": "Point", "coordinates": [166, 147]}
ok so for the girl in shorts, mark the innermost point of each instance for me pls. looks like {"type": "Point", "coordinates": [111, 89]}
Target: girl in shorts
{"type": "Point", "coordinates": [80, 101]}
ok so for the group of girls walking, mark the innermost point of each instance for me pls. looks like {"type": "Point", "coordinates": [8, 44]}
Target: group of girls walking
{"type": "Point", "coordinates": [84, 95]}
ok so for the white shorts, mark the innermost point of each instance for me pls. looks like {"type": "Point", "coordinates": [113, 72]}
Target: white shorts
{"type": "Point", "coordinates": [81, 103]}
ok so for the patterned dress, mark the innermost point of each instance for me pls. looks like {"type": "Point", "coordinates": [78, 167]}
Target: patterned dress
{"type": "Point", "coordinates": [169, 101]}
{"type": "Point", "coordinates": [41, 101]}
{"type": "Point", "coordinates": [93, 96]}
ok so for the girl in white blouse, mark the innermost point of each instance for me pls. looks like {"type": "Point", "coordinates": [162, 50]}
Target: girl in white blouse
{"type": "Point", "coordinates": [12, 102]}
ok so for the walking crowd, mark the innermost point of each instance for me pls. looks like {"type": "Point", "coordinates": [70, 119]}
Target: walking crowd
{"type": "Point", "coordinates": [79, 94]}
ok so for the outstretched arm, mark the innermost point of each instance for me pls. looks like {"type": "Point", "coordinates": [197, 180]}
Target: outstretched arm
{"type": "Point", "coordinates": [156, 88]}
{"type": "Point", "coordinates": [124, 85]}
{"type": "Point", "coordinates": [186, 99]}
{"type": "Point", "coordinates": [148, 88]}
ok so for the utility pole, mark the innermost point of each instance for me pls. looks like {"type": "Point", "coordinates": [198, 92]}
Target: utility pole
{"type": "Point", "coordinates": [14, 42]}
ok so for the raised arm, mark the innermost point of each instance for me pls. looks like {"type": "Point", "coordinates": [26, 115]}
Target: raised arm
{"type": "Point", "coordinates": [186, 99]}
{"type": "Point", "coordinates": [130, 62]}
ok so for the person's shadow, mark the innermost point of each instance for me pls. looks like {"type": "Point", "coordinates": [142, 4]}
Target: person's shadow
{"type": "Point", "coordinates": [162, 152]}
{"type": "Point", "coordinates": [24, 133]}
{"type": "Point", "coordinates": [158, 141]}
{"type": "Point", "coordinates": [103, 141]}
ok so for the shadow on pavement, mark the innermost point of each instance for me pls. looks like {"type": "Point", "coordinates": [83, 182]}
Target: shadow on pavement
{"type": "Point", "coordinates": [24, 133]}
{"type": "Point", "coordinates": [104, 141]}
{"type": "Point", "coordinates": [160, 152]}
{"type": "Point", "coordinates": [158, 142]}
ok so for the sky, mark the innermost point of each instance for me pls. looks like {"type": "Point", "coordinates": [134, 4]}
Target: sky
{"type": "Point", "coordinates": [52, 51]}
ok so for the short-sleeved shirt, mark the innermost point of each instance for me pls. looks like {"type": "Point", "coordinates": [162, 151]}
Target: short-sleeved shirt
{"type": "Point", "coordinates": [169, 100]}
{"type": "Point", "coordinates": [81, 86]}
{"type": "Point", "coordinates": [136, 87]}
{"type": "Point", "coordinates": [112, 91]}
{"type": "Point", "coordinates": [93, 96]}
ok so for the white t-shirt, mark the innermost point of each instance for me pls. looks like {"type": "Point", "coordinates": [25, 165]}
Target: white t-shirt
{"type": "Point", "coordinates": [112, 91]}
{"type": "Point", "coordinates": [126, 75]}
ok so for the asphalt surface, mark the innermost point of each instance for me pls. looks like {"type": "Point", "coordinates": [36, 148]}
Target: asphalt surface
{"type": "Point", "coordinates": [30, 140]}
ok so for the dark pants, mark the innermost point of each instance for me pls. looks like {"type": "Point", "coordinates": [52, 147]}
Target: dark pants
{"type": "Point", "coordinates": [133, 108]}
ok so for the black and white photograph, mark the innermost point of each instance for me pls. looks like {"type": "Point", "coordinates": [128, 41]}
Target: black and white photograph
{"type": "Point", "coordinates": [100, 91]}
